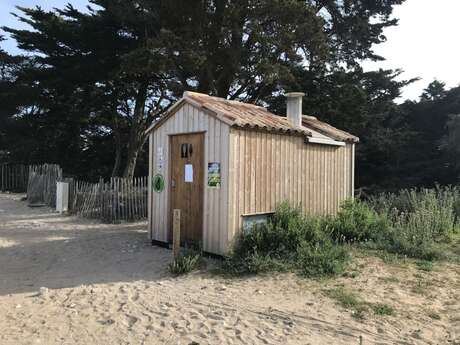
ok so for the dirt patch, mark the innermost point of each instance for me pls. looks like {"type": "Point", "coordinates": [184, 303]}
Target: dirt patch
{"type": "Point", "coordinates": [66, 280]}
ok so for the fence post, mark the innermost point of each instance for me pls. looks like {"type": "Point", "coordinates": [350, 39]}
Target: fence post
{"type": "Point", "coordinates": [176, 232]}
{"type": "Point", "coordinates": [101, 197]}
{"type": "Point", "coordinates": [146, 194]}
{"type": "Point", "coordinates": [119, 215]}
{"type": "Point", "coordinates": [112, 203]}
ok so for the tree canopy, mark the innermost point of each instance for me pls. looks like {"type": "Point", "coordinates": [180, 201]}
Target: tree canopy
{"type": "Point", "coordinates": [92, 81]}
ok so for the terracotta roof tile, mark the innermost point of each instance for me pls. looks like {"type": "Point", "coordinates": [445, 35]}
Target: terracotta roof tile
{"type": "Point", "coordinates": [241, 114]}
{"type": "Point", "coordinates": [247, 115]}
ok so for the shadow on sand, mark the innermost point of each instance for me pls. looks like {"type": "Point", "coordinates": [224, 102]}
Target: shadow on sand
{"type": "Point", "coordinates": [40, 248]}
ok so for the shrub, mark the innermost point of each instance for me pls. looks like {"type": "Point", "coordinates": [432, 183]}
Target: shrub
{"type": "Point", "coordinates": [432, 213]}
{"type": "Point", "coordinates": [398, 242]}
{"type": "Point", "coordinates": [412, 223]}
{"type": "Point", "coordinates": [456, 196]}
{"type": "Point", "coordinates": [254, 262]}
{"type": "Point", "coordinates": [425, 265]}
{"type": "Point", "coordinates": [418, 220]}
{"type": "Point", "coordinates": [357, 222]}
{"type": "Point", "coordinates": [186, 262]}
{"type": "Point", "coordinates": [382, 309]}
{"type": "Point", "coordinates": [289, 241]}
{"type": "Point", "coordinates": [321, 259]}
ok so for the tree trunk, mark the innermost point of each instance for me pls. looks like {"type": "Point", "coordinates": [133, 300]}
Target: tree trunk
{"type": "Point", "coordinates": [133, 153]}
{"type": "Point", "coordinates": [117, 163]}
{"type": "Point", "coordinates": [136, 133]}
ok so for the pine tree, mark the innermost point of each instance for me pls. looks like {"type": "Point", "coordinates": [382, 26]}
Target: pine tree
{"type": "Point", "coordinates": [121, 64]}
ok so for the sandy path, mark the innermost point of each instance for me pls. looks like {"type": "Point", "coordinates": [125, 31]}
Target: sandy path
{"type": "Point", "coordinates": [107, 285]}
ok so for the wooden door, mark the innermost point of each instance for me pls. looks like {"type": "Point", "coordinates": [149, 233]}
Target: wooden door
{"type": "Point", "coordinates": [186, 185]}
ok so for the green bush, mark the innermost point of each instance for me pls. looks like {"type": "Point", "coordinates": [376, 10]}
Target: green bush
{"type": "Point", "coordinates": [418, 221]}
{"type": "Point", "coordinates": [289, 241]}
{"type": "Point", "coordinates": [398, 242]}
{"type": "Point", "coordinates": [411, 223]}
{"type": "Point", "coordinates": [456, 196]}
{"type": "Point", "coordinates": [425, 265]}
{"type": "Point", "coordinates": [357, 222]}
{"type": "Point", "coordinates": [260, 263]}
{"type": "Point", "coordinates": [382, 309]}
{"type": "Point", "coordinates": [432, 213]}
{"type": "Point", "coordinates": [186, 262]}
{"type": "Point", "coordinates": [321, 259]}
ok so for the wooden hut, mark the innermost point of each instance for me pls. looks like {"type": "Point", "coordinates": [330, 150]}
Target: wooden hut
{"type": "Point", "coordinates": [226, 164]}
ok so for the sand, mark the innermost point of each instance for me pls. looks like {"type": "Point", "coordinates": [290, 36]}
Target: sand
{"type": "Point", "coordinates": [67, 280]}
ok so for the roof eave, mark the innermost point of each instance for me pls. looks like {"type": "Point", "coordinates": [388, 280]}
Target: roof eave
{"type": "Point", "coordinates": [192, 102]}
{"type": "Point", "coordinates": [166, 115]}
{"type": "Point", "coordinates": [305, 133]}
{"type": "Point", "coordinates": [346, 137]}
{"type": "Point", "coordinates": [322, 141]}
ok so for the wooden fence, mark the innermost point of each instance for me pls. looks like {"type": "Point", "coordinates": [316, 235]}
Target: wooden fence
{"type": "Point", "coordinates": [117, 200]}
{"type": "Point", "coordinates": [14, 177]}
{"type": "Point", "coordinates": [41, 187]}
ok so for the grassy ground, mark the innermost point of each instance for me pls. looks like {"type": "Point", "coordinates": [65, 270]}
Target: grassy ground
{"type": "Point", "coordinates": [381, 285]}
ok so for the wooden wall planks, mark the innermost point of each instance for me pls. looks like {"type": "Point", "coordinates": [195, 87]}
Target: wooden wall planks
{"type": "Point", "coordinates": [258, 171]}
{"type": "Point", "coordinates": [189, 119]}
{"type": "Point", "coordinates": [268, 168]}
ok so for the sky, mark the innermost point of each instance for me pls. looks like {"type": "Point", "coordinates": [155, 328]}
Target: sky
{"type": "Point", "coordinates": [8, 6]}
{"type": "Point", "coordinates": [425, 44]}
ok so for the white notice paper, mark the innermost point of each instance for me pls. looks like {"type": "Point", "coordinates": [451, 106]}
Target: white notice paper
{"type": "Point", "coordinates": [188, 173]}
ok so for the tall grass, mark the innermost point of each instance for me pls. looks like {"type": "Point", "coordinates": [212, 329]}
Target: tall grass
{"type": "Point", "coordinates": [438, 209]}
{"type": "Point", "coordinates": [418, 220]}
{"type": "Point", "coordinates": [187, 261]}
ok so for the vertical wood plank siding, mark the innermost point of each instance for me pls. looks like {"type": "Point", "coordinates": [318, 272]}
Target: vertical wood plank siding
{"type": "Point", "coordinates": [189, 119]}
{"type": "Point", "coordinates": [150, 187]}
{"type": "Point", "coordinates": [268, 168]}
{"type": "Point", "coordinates": [258, 171]}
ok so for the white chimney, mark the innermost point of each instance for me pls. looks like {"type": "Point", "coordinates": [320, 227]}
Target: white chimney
{"type": "Point", "coordinates": [294, 107]}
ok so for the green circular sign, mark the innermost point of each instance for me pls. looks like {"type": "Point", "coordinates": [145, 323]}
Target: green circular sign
{"type": "Point", "coordinates": [158, 183]}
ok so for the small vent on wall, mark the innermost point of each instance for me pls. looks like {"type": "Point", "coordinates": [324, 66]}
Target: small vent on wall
{"type": "Point", "coordinates": [251, 220]}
